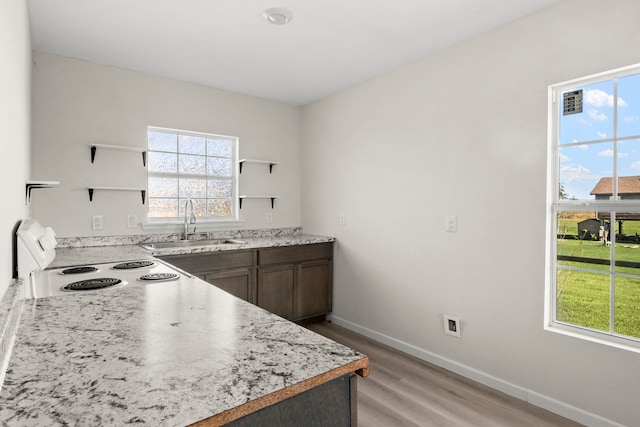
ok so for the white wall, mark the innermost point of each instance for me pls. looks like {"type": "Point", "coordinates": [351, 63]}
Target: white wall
{"type": "Point", "coordinates": [15, 104]}
{"type": "Point", "coordinates": [77, 103]}
{"type": "Point", "coordinates": [464, 132]}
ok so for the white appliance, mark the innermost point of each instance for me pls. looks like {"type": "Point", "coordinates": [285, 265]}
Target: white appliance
{"type": "Point", "coordinates": [36, 247]}
{"type": "Point", "coordinates": [36, 250]}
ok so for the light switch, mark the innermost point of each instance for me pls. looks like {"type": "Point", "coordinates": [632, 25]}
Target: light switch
{"type": "Point", "coordinates": [451, 223]}
{"type": "Point", "coordinates": [97, 222]}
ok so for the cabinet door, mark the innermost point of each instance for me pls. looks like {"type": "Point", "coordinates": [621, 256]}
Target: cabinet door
{"type": "Point", "coordinates": [239, 282]}
{"type": "Point", "coordinates": [314, 288]}
{"type": "Point", "coordinates": [275, 289]}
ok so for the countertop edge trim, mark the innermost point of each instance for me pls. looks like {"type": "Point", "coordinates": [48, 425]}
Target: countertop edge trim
{"type": "Point", "coordinates": [359, 367]}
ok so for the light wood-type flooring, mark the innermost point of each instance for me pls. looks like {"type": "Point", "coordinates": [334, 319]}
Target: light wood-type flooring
{"type": "Point", "coordinates": [402, 390]}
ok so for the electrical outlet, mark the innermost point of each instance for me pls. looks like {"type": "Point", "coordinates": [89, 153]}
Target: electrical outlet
{"type": "Point", "coordinates": [269, 217]}
{"type": "Point", "coordinates": [132, 221]}
{"type": "Point", "coordinates": [451, 223]}
{"type": "Point", "coordinates": [342, 219]}
{"type": "Point", "coordinates": [97, 222]}
{"type": "Point", "coordinates": [451, 325]}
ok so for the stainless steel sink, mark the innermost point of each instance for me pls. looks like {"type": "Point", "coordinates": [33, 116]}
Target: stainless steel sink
{"type": "Point", "coordinates": [187, 243]}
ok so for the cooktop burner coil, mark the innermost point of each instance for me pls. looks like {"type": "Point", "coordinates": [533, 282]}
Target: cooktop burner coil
{"type": "Point", "coordinates": [79, 270]}
{"type": "Point", "coordinates": [92, 284]}
{"type": "Point", "coordinates": [133, 265]}
{"type": "Point", "coordinates": [158, 277]}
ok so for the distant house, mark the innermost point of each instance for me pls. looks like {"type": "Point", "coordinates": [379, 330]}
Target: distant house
{"type": "Point", "coordinates": [628, 189]}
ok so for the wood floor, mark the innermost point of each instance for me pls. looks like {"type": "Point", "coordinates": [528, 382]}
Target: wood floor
{"type": "Point", "coordinates": [402, 390]}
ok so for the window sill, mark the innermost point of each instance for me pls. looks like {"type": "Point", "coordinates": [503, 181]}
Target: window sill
{"type": "Point", "coordinates": [592, 336]}
{"type": "Point", "coordinates": [201, 225]}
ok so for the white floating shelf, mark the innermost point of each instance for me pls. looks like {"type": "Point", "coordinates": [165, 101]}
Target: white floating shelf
{"type": "Point", "coordinates": [94, 147]}
{"type": "Point", "coordinates": [262, 162]}
{"type": "Point", "coordinates": [143, 191]}
{"type": "Point", "coordinates": [273, 198]}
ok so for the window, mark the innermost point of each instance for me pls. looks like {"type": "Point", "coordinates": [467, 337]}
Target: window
{"type": "Point", "coordinates": [594, 208]}
{"type": "Point", "coordinates": [192, 165]}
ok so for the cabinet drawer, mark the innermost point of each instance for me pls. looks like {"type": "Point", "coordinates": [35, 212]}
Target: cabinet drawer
{"type": "Point", "coordinates": [201, 263]}
{"type": "Point", "coordinates": [294, 254]}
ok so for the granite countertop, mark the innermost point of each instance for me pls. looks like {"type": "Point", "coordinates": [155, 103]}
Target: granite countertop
{"type": "Point", "coordinates": [69, 256]}
{"type": "Point", "coordinates": [162, 354]}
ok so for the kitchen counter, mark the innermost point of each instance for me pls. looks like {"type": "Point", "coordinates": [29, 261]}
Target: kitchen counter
{"type": "Point", "coordinates": [160, 354]}
{"type": "Point", "coordinates": [70, 256]}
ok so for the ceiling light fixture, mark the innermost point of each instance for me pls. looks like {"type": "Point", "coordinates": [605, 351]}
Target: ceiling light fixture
{"type": "Point", "coordinates": [277, 16]}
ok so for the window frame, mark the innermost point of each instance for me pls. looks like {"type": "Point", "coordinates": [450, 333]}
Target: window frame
{"type": "Point", "coordinates": [153, 222]}
{"type": "Point", "coordinates": [555, 204]}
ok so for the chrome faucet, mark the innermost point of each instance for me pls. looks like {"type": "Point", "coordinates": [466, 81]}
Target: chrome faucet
{"type": "Point", "coordinates": [191, 220]}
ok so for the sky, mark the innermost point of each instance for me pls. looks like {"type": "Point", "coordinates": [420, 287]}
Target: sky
{"type": "Point", "coordinates": [587, 138]}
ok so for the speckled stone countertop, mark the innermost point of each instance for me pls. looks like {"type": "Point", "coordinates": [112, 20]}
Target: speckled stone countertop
{"type": "Point", "coordinates": [169, 353]}
{"type": "Point", "coordinates": [68, 256]}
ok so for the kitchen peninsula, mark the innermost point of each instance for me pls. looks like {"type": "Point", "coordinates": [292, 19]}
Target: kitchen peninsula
{"type": "Point", "coordinates": [171, 354]}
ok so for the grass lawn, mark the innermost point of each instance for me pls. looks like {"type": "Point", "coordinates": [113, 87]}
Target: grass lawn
{"type": "Point", "coordinates": [583, 297]}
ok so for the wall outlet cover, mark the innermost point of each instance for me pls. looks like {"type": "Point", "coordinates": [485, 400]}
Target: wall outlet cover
{"type": "Point", "coordinates": [451, 325]}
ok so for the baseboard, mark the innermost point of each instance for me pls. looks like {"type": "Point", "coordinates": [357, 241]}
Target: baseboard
{"type": "Point", "coordinates": [537, 399]}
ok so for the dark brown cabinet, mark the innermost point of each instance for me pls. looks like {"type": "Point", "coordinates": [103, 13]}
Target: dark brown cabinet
{"type": "Point", "coordinates": [238, 282]}
{"type": "Point", "coordinates": [309, 269]}
{"type": "Point", "coordinates": [232, 271]}
{"type": "Point", "coordinates": [275, 290]}
{"type": "Point", "coordinates": [295, 282]}
{"type": "Point", "coordinates": [314, 296]}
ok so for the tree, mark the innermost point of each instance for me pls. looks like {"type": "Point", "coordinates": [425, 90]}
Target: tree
{"type": "Point", "coordinates": [563, 193]}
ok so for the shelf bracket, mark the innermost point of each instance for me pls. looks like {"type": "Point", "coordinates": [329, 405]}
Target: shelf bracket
{"type": "Point", "coordinates": [143, 195]}
{"type": "Point", "coordinates": [144, 162]}
{"type": "Point", "coordinates": [31, 185]}
{"type": "Point", "coordinates": [273, 199]}
{"type": "Point", "coordinates": [90, 194]}
{"type": "Point", "coordinates": [271, 165]}
{"type": "Point", "coordinates": [241, 163]}
{"type": "Point", "coordinates": [93, 152]}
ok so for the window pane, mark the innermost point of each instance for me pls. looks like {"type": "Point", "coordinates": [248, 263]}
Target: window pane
{"type": "Point", "coordinates": [191, 164]}
{"type": "Point", "coordinates": [219, 208]}
{"type": "Point", "coordinates": [582, 299]}
{"type": "Point", "coordinates": [162, 141]}
{"type": "Point", "coordinates": [193, 188]}
{"type": "Point", "coordinates": [162, 162]}
{"type": "Point", "coordinates": [627, 307]}
{"type": "Point", "coordinates": [163, 187]}
{"type": "Point", "coordinates": [595, 122]}
{"type": "Point", "coordinates": [217, 188]}
{"type": "Point", "coordinates": [627, 247]}
{"type": "Point", "coordinates": [163, 208]}
{"type": "Point", "coordinates": [218, 166]}
{"type": "Point", "coordinates": [581, 241]}
{"type": "Point", "coordinates": [629, 106]}
{"type": "Point", "coordinates": [192, 144]}
{"type": "Point", "coordinates": [629, 169]}
{"type": "Point", "coordinates": [585, 171]}
{"type": "Point", "coordinates": [199, 207]}
{"type": "Point", "coordinates": [219, 147]}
